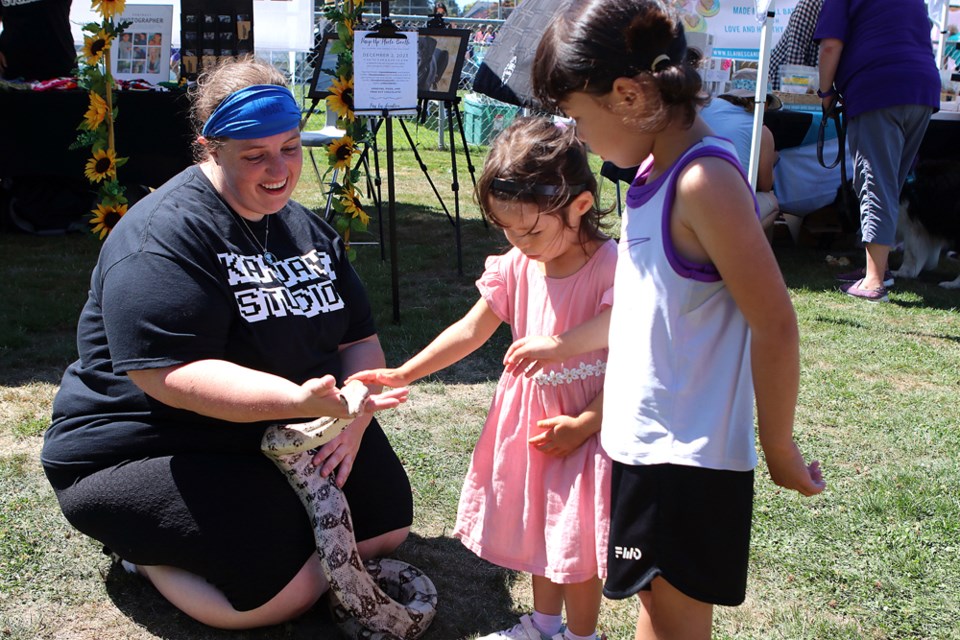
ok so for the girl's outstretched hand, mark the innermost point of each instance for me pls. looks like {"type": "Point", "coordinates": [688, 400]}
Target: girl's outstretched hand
{"type": "Point", "coordinates": [561, 436]}
{"type": "Point", "coordinates": [530, 354]}
{"type": "Point", "coordinates": [389, 399]}
{"type": "Point", "coordinates": [386, 377]}
{"type": "Point", "coordinates": [789, 470]}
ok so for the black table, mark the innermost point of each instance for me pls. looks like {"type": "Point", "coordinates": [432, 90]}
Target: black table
{"type": "Point", "coordinates": [152, 130]}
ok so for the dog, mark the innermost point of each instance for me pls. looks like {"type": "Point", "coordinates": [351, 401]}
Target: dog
{"type": "Point", "coordinates": [929, 220]}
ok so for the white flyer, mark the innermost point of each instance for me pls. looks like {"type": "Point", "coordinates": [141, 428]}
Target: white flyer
{"type": "Point", "coordinates": [384, 73]}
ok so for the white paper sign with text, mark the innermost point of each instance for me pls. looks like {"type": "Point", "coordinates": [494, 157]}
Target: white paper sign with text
{"type": "Point", "coordinates": [384, 73]}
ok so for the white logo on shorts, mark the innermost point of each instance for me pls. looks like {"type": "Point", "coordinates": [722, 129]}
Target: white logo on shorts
{"type": "Point", "coordinates": [627, 553]}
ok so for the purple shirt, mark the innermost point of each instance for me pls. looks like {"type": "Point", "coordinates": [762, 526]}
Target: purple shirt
{"type": "Point", "coordinates": [887, 57]}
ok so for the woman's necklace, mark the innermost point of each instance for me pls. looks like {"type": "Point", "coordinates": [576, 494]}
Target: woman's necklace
{"type": "Point", "coordinates": [267, 255]}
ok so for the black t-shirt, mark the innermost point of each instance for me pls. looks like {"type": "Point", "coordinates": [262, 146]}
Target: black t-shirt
{"type": "Point", "coordinates": [179, 281]}
{"type": "Point", "coordinates": [36, 39]}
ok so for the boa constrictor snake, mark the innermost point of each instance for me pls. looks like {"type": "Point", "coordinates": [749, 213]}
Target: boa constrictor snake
{"type": "Point", "coordinates": [359, 591]}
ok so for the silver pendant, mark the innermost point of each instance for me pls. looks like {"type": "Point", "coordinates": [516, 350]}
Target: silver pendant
{"type": "Point", "coordinates": [269, 257]}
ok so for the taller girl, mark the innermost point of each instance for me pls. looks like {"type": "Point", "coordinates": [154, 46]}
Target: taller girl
{"type": "Point", "coordinates": [702, 320]}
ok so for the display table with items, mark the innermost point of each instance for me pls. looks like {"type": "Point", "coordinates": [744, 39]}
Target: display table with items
{"type": "Point", "coordinates": [802, 185]}
{"type": "Point", "coordinates": [152, 130]}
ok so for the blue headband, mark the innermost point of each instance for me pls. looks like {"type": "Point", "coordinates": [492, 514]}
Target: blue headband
{"type": "Point", "coordinates": [258, 111]}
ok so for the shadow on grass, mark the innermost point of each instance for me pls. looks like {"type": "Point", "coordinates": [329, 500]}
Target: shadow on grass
{"type": "Point", "coordinates": [474, 597]}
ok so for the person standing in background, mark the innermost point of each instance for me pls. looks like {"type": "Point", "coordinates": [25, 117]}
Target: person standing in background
{"type": "Point", "coordinates": [36, 43]}
{"type": "Point", "coordinates": [876, 57]}
{"type": "Point", "coordinates": [796, 45]}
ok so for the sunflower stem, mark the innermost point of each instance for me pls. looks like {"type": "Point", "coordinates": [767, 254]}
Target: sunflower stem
{"type": "Point", "coordinates": [108, 89]}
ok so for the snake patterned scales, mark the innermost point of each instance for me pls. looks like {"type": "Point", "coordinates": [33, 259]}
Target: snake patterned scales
{"type": "Point", "coordinates": [359, 600]}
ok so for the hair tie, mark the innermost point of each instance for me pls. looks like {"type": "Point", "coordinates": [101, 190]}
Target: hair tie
{"type": "Point", "coordinates": [660, 58]}
{"type": "Point", "coordinates": [257, 111]}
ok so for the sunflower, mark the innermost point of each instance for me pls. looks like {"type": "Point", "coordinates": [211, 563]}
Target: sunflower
{"type": "Point", "coordinates": [351, 207]}
{"type": "Point", "coordinates": [96, 112]}
{"type": "Point", "coordinates": [340, 151]}
{"type": "Point", "coordinates": [95, 46]}
{"type": "Point", "coordinates": [108, 8]}
{"type": "Point", "coordinates": [340, 99]}
{"type": "Point", "coordinates": [106, 217]}
{"type": "Point", "coordinates": [103, 164]}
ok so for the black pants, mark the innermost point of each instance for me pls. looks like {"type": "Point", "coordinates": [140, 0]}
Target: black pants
{"type": "Point", "coordinates": [230, 518]}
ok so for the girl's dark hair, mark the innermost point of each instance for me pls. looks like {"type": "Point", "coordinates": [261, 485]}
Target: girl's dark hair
{"type": "Point", "coordinates": [216, 83]}
{"type": "Point", "coordinates": [538, 161]}
{"type": "Point", "coordinates": [586, 47]}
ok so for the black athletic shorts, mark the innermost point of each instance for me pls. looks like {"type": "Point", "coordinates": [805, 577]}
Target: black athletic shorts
{"type": "Point", "coordinates": [689, 525]}
{"type": "Point", "coordinates": [230, 518]}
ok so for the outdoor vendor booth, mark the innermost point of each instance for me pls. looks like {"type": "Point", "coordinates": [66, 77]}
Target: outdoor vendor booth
{"type": "Point", "coordinates": [46, 152]}
{"type": "Point", "coordinates": [153, 132]}
{"type": "Point", "coordinates": [729, 35]}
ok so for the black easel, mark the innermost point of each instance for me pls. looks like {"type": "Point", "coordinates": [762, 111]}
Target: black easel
{"type": "Point", "coordinates": [451, 106]}
{"type": "Point", "coordinates": [386, 29]}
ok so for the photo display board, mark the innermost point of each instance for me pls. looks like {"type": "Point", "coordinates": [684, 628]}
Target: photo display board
{"type": "Point", "coordinates": [142, 51]}
{"type": "Point", "coordinates": [211, 30]}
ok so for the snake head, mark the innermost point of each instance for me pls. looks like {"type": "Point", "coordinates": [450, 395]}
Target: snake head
{"type": "Point", "coordinates": [354, 395]}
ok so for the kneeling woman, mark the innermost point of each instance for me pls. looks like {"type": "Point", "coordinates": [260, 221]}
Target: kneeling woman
{"type": "Point", "coordinates": [218, 307]}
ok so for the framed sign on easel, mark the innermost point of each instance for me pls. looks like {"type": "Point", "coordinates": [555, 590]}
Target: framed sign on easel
{"type": "Point", "coordinates": [385, 85]}
{"type": "Point", "coordinates": [440, 57]}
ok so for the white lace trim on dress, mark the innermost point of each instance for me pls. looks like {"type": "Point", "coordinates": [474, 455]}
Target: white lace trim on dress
{"type": "Point", "coordinates": [566, 376]}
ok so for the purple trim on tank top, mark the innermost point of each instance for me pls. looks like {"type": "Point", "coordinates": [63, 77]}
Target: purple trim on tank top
{"type": "Point", "coordinates": [641, 192]}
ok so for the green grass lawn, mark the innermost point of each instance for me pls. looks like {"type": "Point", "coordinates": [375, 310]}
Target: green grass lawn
{"type": "Point", "coordinates": [875, 556]}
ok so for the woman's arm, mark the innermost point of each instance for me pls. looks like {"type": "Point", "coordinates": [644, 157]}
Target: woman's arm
{"type": "Point", "coordinates": [714, 213]}
{"type": "Point", "coordinates": [228, 391]}
{"type": "Point", "coordinates": [830, 51]}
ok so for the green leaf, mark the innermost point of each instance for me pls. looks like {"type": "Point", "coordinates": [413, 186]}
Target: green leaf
{"type": "Point", "coordinates": [84, 139]}
{"type": "Point", "coordinates": [121, 161]}
{"type": "Point", "coordinates": [337, 46]}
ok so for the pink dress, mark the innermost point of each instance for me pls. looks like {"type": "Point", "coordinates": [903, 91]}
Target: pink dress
{"type": "Point", "coordinates": [520, 508]}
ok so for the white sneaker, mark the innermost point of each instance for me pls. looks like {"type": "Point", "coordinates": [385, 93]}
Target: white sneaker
{"type": "Point", "coordinates": [524, 630]}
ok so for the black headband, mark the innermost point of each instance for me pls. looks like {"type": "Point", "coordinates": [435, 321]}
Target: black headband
{"type": "Point", "coordinates": [533, 188]}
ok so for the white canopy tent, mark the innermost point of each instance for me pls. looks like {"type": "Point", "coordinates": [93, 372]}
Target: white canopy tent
{"type": "Point", "coordinates": [766, 12]}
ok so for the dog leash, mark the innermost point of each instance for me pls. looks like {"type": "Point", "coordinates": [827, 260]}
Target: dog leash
{"type": "Point", "coordinates": [837, 115]}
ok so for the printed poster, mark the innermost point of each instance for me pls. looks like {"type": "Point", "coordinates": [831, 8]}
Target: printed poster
{"type": "Point", "coordinates": [384, 73]}
{"type": "Point", "coordinates": [142, 51]}
{"type": "Point", "coordinates": [733, 24]}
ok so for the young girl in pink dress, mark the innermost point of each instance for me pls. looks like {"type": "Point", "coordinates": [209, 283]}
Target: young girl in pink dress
{"type": "Point", "coordinates": [538, 466]}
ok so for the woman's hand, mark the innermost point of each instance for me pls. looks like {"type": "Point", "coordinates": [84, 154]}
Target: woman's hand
{"type": "Point", "coordinates": [561, 436]}
{"type": "Point", "coordinates": [322, 398]}
{"type": "Point", "coordinates": [339, 454]}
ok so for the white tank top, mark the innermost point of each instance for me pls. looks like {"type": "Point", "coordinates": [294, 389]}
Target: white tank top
{"type": "Point", "coordinates": [679, 389]}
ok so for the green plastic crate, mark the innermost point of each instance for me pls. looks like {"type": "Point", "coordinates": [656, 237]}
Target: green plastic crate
{"type": "Point", "coordinates": [482, 122]}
